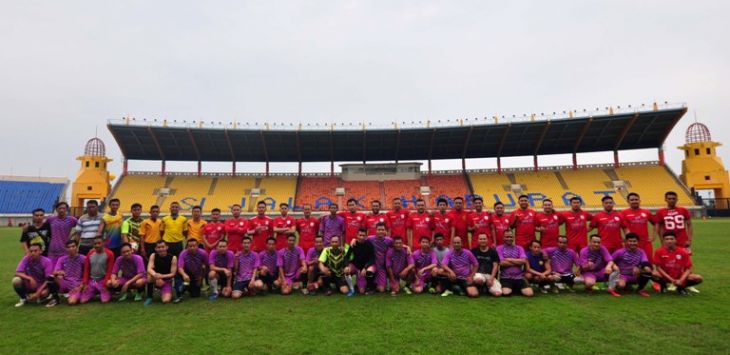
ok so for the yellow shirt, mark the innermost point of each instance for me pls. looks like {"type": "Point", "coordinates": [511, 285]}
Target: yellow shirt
{"type": "Point", "coordinates": [149, 230]}
{"type": "Point", "coordinates": [195, 229]}
{"type": "Point", "coordinates": [173, 228]}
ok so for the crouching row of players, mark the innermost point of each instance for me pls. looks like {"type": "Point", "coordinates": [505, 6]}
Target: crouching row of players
{"type": "Point", "coordinates": [370, 263]}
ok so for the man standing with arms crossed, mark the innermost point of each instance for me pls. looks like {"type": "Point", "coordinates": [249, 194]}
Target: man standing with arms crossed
{"type": "Point", "coordinates": [284, 226]}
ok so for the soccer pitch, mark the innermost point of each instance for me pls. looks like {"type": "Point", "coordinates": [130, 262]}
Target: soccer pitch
{"type": "Point", "coordinates": [573, 323]}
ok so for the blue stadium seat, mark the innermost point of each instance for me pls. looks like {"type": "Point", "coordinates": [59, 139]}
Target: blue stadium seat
{"type": "Point", "coordinates": [25, 196]}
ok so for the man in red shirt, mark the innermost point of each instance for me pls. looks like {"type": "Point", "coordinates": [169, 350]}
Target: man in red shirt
{"type": "Point", "coordinates": [260, 227]}
{"type": "Point", "coordinates": [675, 219]}
{"type": "Point", "coordinates": [523, 220]}
{"type": "Point", "coordinates": [419, 224]}
{"type": "Point", "coordinates": [459, 219]}
{"type": "Point", "coordinates": [480, 222]}
{"type": "Point", "coordinates": [442, 222]}
{"type": "Point", "coordinates": [636, 220]}
{"type": "Point", "coordinates": [214, 230]}
{"type": "Point", "coordinates": [548, 223]}
{"type": "Point", "coordinates": [354, 220]}
{"type": "Point", "coordinates": [307, 227]}
{"type": "Point", "coordinates": [284, 226]}
{"type": "Point", "coordinates": [236, 227]}
{"type": "Point", "coordinates": [609, 223]}
{"type": "Point", "coordinates": [674, 265]}
{"type": "Point", "coordinates": [576, 227]}
{"type": "Point", "coordinates": [375, 217]}
{"type": "Point", "coordinates": [397, 218]}
{"type": "Point", "coordinates": [500, 223]}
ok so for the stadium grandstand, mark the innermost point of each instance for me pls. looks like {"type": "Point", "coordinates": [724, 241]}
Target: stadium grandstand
{"type": "Point", "coordinates": [611, 130]}
{"type": "Point", "coordinates": [19, 195]}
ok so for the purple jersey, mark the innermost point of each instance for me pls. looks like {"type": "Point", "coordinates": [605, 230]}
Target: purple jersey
{"type": "Point", "coordinates": [193, 263]}
{"type": "Point", "coordinates": [381, 247]}
{"type": "Point", "coordinates": [73, 269]}
{"type": "Point", "coordinates": [246, 264]}
{"type": "Point", "coordinates": [130, 267]}
{"type": "Point", "coordinates": [627, 260]}
{"type": "Point", "coordinates": [60, 233]}
{"type": "Point", "coordinates": [599, 258]}
{"type": "Point", "coordinates": [329, 227]}
{"type": "Point", "coordinates": [38, 269]}
{"type": "Point", "coordinates": [562, 261]}
{"type": "Point", "coordinates": [505, 251]}
{"type": "Point", "coordinates": [224, 260]}
{"type": "Point", "coordinates": [290, 260]}
{"type": "Point", "coordinates": [270, 260]}
{"type": "Point", "coordinates": [397, 260]}
{"type": "Point", "coordinates": [422, 259]}
{"type": "Point", "coordinates": [460, 262]}
{"type": "Point", "coordinates": [313, 255]}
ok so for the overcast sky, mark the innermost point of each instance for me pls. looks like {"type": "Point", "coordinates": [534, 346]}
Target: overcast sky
{"type": "Point", "coordinates": [69, 66]}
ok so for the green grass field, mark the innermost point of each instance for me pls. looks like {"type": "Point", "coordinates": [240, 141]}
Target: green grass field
{"type": "Point", "coordinates": [573, 323]}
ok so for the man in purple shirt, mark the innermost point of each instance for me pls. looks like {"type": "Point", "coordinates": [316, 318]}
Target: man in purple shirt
{"type": "Point", "coordinates": [424, 260]}
{"type": "Point", "coordinates": [62, 225]}
{"type": "Point", "coordinates": [512, 260]}
{"type": "Point", "coordinates": [331, 225]}
{"type": "Point", "coordinates": [133, 275]}
{"type": "Point", "coordinates": [292, 266]}
{"type": "Point", "coordinates": [314, 275]}
{"type": "Point", "coordinates": [31, 275]}
{"type": "Point", "coordinates": [220, 264]}
{"type": "Point", "coordinates": [633, 266]}
{"type": "Point", "coordinates": [247, 264]}
{"type": "Point", "coordinates": [562, 262]}
{"type": "Point", "coordinates": [191, 266]}
{"type": "Point", "coordinates": [269, 266]}
{"type": "Point", "coordinates": [399, 264]}
{"type": "Point", "coordinates": [69, 273]}
{"type": "Point", "coordinates": [460, 266]}
{"type": "Point", "coordinates": [381, 244]}
{"type": "Point", "coordinates": [595, 263]}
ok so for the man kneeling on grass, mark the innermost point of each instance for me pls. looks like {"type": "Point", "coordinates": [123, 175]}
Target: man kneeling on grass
{"type": "Point", "coordinates": [220, 264]}
{"type": "Point", "coordinates": [597, 265]}
{"type": "Point", "coordinates": [69, 274]}
{"type": "Point", "coordinates": [31, 275]}
{"type": "Point", "coordinates": [292, 266]}
{"type": "Point", "coordinates": [97, 272]}
{"type": "Point", "coordinates": [399, 264]}
{"type": "Point", "coordinates": [460, 265]}
{"type": "Point", "coordinates": [161, 270]}
{"type": "Point", "coordinates": [191, 266]}
{"type": "Point", "coordinates": [512, 259]}
{"type": "Point", "coordinates": [332, 263]}
{"type": "Point", "coordinates": [674, 266]}
{"type": "Point", "coordinates": [246, 270]}
{"type": "Point", "coordinates": [134, 275]}
{"type": "Point", "coordinates": [633, 265]}
{"type": "Point", "coordinates": [486, 276]}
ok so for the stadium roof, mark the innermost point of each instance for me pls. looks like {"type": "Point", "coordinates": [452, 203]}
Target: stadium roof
{"type": "Point", "coordinates": [607, 132]}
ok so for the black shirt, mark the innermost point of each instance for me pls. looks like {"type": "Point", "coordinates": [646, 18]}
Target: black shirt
{"type": "Point", "coordinates": [163, 264]}
{"type": "Point", "coordinates": [486, 259]}
{"type": "Point", "coordinates": [35, 235]}
{"type": "Point", "coordinates": [363, 254]}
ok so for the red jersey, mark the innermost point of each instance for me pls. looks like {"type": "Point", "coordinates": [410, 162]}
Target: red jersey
{"type": "Point", "coordinates": [673, 262]}
{"type": "Point", "coordinates": [260, 237]}
{"type": "Point", "coordinates": [283, 222]}
{"type": "Point", "coordinates": [371, 221]}
{"type": "Point", "coordinates": [637, 221]}
{"type": "Point", "coordinates": [353, 223]}
{"type": "Point", "coordinates": [420, 224]}
{"type": "Point", "coordinates": [397, 222]}
{"type": "Point", "coordinates": [480, 223]}
{"type": "Point", "coordinates": [675, 220]}
{"type": "Point", "coordinates": [214, 231]}
{"type": "Point", "coordinates": [459, 220]}
{"type": "Point", "coordinates": [307, 228]}
{"type": "Point", "coordinates": [236, 228]}
{"type": "Point", "coordinates": [609, 228]}
{"type": "Point", "coordinates": [576, 228]}
{"type": "Point", "coordinates": [442, 224]}
{"type": "Point", "coordinates": [550, 224]}
{"type": "Point", "coordinates": [501, 224]}
{"type": "Point", "coordinates": [525, 226]}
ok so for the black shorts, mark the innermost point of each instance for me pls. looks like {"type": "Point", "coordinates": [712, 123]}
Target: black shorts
{"type": "Point", "coordinates": [513, 284]}
{"type": "Point", "coordinates": [222, 279]}
{"type": "Point", "coordinates": [241, 286]}
{"type": "Point", "coordinates": [269, 278]}
{"type": "Point", "coordinates": [338, 281]}
{"type": "Point", "coordinates": [461, 283]}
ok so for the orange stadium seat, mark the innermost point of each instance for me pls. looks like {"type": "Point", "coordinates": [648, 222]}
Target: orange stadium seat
{"type": "Point", "coordinates": [404, 189]}
{"type": "Point", "coordinates": [446, 185]}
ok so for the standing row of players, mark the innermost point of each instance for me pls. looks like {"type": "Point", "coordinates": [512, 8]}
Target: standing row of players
{"type": "Point", "coordinates": [169, 232]}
